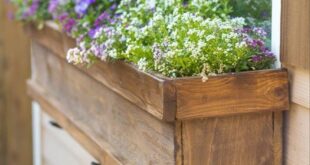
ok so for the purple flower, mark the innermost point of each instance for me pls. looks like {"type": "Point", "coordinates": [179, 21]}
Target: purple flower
{"type": "Point", "coordinates": [81, 6]}
{"type": "Point", "coordinates": [32, 9]}
{"type": "Point", "coordinates": [113, 7]}
{"type": "Point", "coordinates": [98, 50]}
{"type": "Point", "coordinates": [185, 4]}
{"type": "Point", "coordinates": [103, 16]}
{"type": "Point", "coordinates": [52, 6]}
{"type": "Point", "coordinates": [63, 17]}
{"type": "Point", "coordinates": [268, 53]}
{"type": "Point", "coordinates": [69, 25]}
{"type": "Point", "coordinates": [257, 58]}
{"type": "Point", "coordinates": [93, 32]}
{"type": "Point", "coordinates": [260, 32]}
{"type": "Point", "coordinates": [255, 42]}
{"type": "Point", "coordinates": [157, 52]}
{"type": "Point", "coordinates": [153, 9]}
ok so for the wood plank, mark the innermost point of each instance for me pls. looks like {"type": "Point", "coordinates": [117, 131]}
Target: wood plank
{"type": "Point", "coordinates": [299, 85]}
{"type": "Point", "coordinates": [15, 69]}
{"type": "Point", "coordinates": [51, 106]}
{"type": "Point", "coordinates": [106, 117]}
{"type": "Point", "coordinates": [2, 89]}
{"type": "Point", "coordinates": [2, 123]}
{"type": "Point", "coordinates": [278, 138]}
{"type": "Point", "coordinates": [178, 143]}
{"type": "Point", "coordinates": [235, 140]}
{"type": "Point", "coordinates": [151, 93]}
{"type": "Point", "coordinates": [245, 92]}
{"type": "Point", "coordinates": [296, 136]}
{"type": "Point", "coordinates": [295, 32]}
{"type": "Point", "coordinates": [58, 147]}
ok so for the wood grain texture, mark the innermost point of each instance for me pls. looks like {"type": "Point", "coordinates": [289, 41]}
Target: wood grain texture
{"type": "Point", "coordinates": [2, 91]}
{"type": "Point", "coordinates": [151, 93]}
{"type": "Point", "coordinates": [51, 106]}
{"type": "Point", "coordinates": [178, 143]}
{"type": "Point", "coordinates": [296, 136]}
{"type": "Point", "coordinates": [295, 32]}
{"type": "Point", "coordinates": [16, 109]}
{"type": "Point", "coordinates": [58, 147]}
{"type": "Point", "coordinates": [278, 138]}
{"type": "Point", "coordinates": [235, 140]}
{"type": "Point", "coordinates": [105, 117]}
{"type": "Point", "coordinates": [160, 96]}
{"type": "Point", "coordinates": [232, 94]}
{"type": "Point", "coordinates": [299, 85]}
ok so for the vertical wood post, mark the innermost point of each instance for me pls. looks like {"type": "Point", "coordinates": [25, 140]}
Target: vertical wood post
{"type": "Point", "coordinates": [15, 107]}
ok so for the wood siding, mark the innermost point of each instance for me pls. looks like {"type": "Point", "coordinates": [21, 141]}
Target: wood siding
{"type": "Point", "coordinates": [296, 148]}
{"type": "Point", "coordinates": [295, 55]}
{"type": "Point", "coordinates": [296, 121]}
{"type": "Point", "coordinates": [295, 33]}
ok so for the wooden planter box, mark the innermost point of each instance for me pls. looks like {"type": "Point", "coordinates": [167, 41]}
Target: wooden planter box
{"type": "Point", "coordinates": [124, 116]}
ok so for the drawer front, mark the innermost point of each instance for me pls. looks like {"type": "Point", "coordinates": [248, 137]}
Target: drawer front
{"type": "Point", "coordinates": [58, 147]}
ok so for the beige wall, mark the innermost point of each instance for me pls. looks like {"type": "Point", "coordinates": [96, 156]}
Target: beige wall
{"type": "Point", "coordinates": [297, 120]}
{"type": "Point", "coordinates": [295, 55]}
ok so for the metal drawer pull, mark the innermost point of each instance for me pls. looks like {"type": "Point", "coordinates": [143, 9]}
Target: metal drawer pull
{"type": "Point", "coordinates": [53, 123]}
{"type": "Point", "coordinates": [95, 163]}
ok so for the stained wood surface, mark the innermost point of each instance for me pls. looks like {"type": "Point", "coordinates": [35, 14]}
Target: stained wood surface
{"type": "Point", "coordinates": [296, 136]}
{"type": "Point", "coordinates": [235, 140]}
{"type": "Point", "coordinates": [2, 89]}
{"type": "Point", "coordinates": [58, 147]}
{"type": "Point", "coordinates": [150, 93]}
{"type": "Point", "coordinates": [278, 138]}
{"type": "Point", "coordinates": [295, 32]}
{"type": "Point", "coordinates": [178, 143]}
{"type": "Point", "coordinates": [15, 107]}
{"type": "Point", "coordinates": [105, 117]}
{"type": "Point", "coordinates": [245, 92]}
{"type": "Point", "coordinates": [51, 106]}
{"type": "Point", "coordinates": [190, 97]}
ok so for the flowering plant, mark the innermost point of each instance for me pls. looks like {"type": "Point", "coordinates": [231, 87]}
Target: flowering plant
{"type": "Point", "coordinates": [32, 10]}
{"type": "Point", "coordinates": [172, 37]}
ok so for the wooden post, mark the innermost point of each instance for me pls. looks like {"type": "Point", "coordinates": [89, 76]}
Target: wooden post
{"type": "Point", "coordinates": [15, 107]}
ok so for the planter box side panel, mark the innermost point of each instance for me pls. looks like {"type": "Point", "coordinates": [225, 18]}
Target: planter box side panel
{"type": "Point", "coordinates": [258, 91]}
{"type": "Point", "coordinates": [237, 140]}
{"type": "Point", "coordinates": [153, 94]}
{"type": "Point", "coordinates": [104, 116]}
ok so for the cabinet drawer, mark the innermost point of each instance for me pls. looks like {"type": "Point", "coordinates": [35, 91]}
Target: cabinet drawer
{"type": "Point", "coordinates": [58, 147]}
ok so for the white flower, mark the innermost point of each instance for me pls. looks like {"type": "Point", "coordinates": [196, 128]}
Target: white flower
{"type": "Point", "coordinates": [142, 64]}
{"type": "Point", "coordinates": [74, 56]}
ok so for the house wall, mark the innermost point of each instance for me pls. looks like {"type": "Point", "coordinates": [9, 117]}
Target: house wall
{"type": "Point", "coordinates": [295, 53]}
{"type": "Point", "coordinates": [296, 120]}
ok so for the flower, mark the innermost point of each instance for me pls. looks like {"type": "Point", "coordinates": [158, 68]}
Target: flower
{"type": "Point", "coordinates": [172, 37]}
{"type": "Point", "coordinates": [32, 9]}
{"type": "Point", "coordinates": [52, 6]}
{"type": "Point", "coordinates": [81, 6]}
{"type": "Point", "coordinates": [103, 16]}
{"type": "Point", "coordinates": [69, 24]}
{"type": "Point", "coordinates": [256, 58]}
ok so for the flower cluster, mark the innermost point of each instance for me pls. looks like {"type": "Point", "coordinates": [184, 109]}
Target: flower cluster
{"type": "Point", "coordinates": [32, 10]}
{"type": "Point", "coordinates": [175, 38]}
